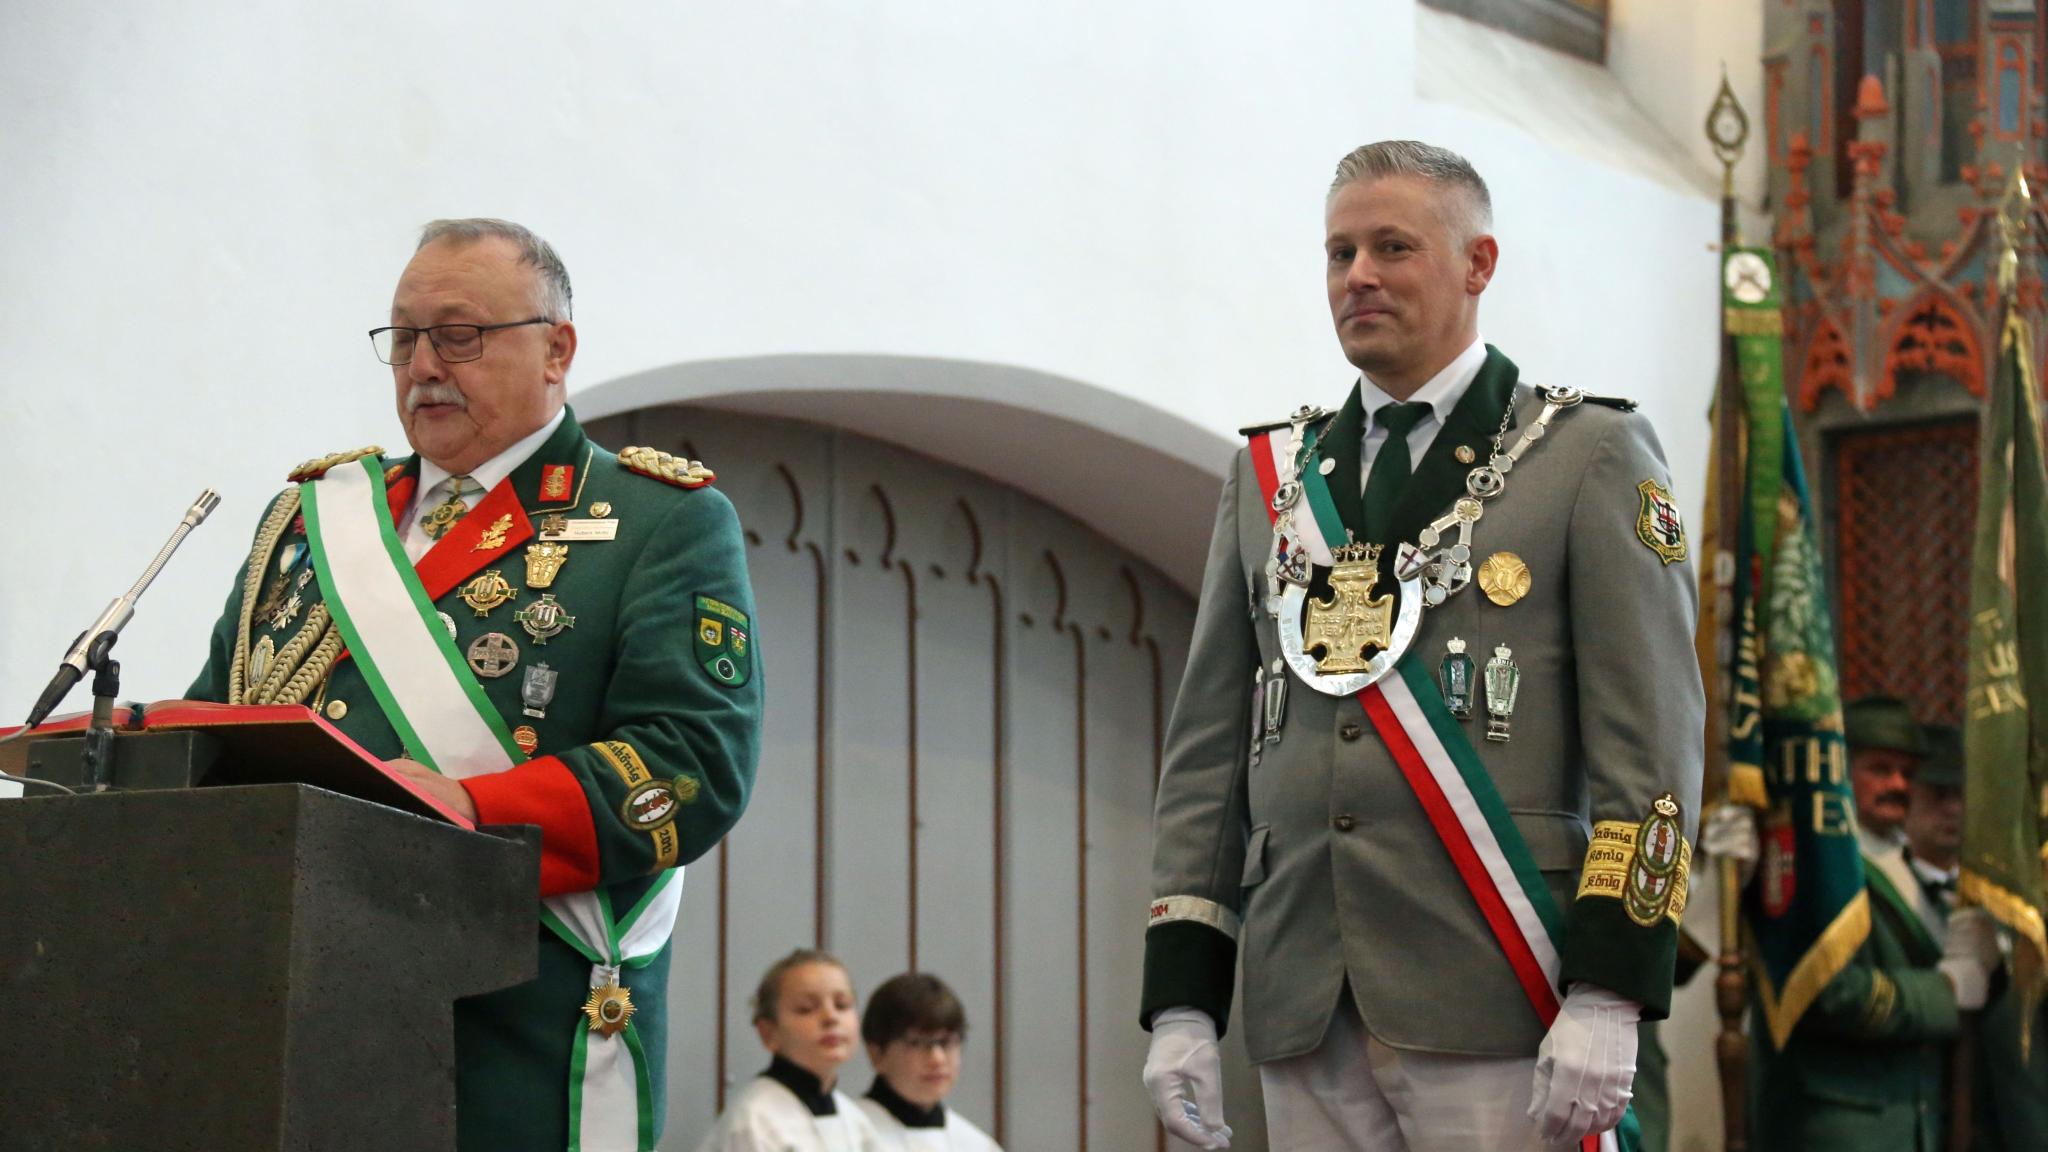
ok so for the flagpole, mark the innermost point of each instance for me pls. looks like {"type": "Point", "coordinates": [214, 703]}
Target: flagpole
{"type": "Point", "coordinates": [2013, 213]}
{"type": "Point", "coordinates": [1727, 130]}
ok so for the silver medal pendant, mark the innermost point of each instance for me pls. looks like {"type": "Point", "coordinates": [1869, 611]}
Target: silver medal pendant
{"type": "Point", "coordinates": [538, 690]}
{"type": "Point", "coordinates": [1454, 678]}
{"type": "Point", "coordinates": [1258, 715]}
{"type": "Point", "coordinates": [1503, 681]}
{"type": "Point", "coordinates": [1276, 702]}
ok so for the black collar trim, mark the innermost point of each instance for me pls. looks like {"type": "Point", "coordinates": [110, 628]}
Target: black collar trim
{"type": "Point", "coordinates": [805, 1086]}
{"type": "Point", "coordinates": [906, 1113]}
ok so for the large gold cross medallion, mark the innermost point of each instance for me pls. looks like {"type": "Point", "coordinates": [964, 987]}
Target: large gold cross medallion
{"type": "Point", "coordinates": [1351, 619]}
{"type": "Point", "coordinates": [443, 516]}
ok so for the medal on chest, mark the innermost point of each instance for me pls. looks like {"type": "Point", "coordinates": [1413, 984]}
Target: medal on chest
{"type": "Point", "coordinates": [1341, 642]}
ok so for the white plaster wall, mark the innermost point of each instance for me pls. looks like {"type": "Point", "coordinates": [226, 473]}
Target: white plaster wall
{"type": "Point", "coordinates": [1669, 56]}
{"type": "Point", "coordinates": [206, 204]}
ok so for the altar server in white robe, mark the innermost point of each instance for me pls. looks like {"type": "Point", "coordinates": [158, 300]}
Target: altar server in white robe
{"type": "Point", "coordinates": [915, 1028]}
{"type": "Point", "coordinates": [804, 1013]}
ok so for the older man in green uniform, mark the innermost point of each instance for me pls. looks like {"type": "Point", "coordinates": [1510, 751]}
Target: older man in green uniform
{"type": "Point", "coordinates": [1864, 1067]}
{"type": "Point", "coordinates": [535, 631]}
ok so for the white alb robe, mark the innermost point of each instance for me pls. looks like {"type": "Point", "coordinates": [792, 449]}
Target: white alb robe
{"type": "Point", "coordinates": [957, 1135]}
{"type": "Point", "coordinates": [766, 1116]}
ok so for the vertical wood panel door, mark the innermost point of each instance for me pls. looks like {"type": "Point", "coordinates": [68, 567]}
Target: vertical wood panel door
{"type": "Point", "coordinates": [967, 693]}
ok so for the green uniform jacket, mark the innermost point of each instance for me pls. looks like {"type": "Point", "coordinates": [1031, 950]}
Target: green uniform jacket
{"type": "Point", "coordinates": [657, 695]}
{"type": "Point", "coordinates": [1865, 1065]}
{"type": "Point", "coordinates": [2012, 1089]}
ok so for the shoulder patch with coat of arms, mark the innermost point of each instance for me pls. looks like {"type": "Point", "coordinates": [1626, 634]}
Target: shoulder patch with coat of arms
{"type": "Point", "coordinates": [724, 642]}
{"type": "Point", "coordinates": [677, 470]}
{"type": "Point", "coordinates": [319, 466]}
{"type": "Point", "coordinates": [1658, 524]}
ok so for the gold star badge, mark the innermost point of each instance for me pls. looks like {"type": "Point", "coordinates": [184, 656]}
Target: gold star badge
{"type": "Point", "coordinates": [610, 1008]}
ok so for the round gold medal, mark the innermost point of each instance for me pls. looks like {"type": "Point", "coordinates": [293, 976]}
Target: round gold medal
{"type": "Point", "coordinates": [1504, 578]}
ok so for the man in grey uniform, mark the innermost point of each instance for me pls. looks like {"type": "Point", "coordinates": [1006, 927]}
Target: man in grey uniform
{"type": "Point", "coordinates": [1453, 845]}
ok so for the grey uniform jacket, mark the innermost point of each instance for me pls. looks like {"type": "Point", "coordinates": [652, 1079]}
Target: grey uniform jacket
{"type": "Point", "coordinates": [1322, 852]}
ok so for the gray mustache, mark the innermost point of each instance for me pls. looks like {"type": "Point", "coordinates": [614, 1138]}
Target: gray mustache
{"type": "Point", "coordinates": [433, 394]}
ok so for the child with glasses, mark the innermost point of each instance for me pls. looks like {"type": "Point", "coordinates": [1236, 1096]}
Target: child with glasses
{"type": "Point", "coordinates": [804, 1014]}
{"type": "Point", "coordinates": [914, 1030]}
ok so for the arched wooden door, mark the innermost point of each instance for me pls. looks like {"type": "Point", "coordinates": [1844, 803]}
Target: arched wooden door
{"type": "Point", "coordinates": [967, 696]}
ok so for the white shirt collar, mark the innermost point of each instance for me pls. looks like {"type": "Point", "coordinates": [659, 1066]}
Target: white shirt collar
{"type": "Point", "coordinates": [491, 472]}
{"type": "Point", "coordinates": [1441, 393]}
{"type": "Point", "coordinates": [1880, 845]}
{"type": "Point", "coordinates": [1930, 871]}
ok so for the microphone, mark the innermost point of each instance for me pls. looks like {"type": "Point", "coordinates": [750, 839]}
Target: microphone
{"type": "Point", "coordinates": [91, 646]}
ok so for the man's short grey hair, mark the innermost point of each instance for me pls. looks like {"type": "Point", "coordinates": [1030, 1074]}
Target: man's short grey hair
{"type": "Point", "coordinates": [1439, 166]}
{"type": "Point", "coordinates": [551, 277]}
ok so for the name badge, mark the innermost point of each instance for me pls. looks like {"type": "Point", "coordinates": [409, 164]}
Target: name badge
{"type": "Point", "coordinates": [584, 530]}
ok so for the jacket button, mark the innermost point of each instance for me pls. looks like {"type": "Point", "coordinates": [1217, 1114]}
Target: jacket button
{"type": "Point", "coordinates": [1350, 731]}
{"type": "Point", "coordinates": [1344, 823]}
{"type": "Point", "coordinates": [336, 709]}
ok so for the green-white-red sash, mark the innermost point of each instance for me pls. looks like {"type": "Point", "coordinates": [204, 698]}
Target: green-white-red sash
{"type": "Point", "coordinates": [441, 715]}
{"type": "Point", "coordinates": [1312, 521]}
{"type": "Point", "coordinates": [1443, 770]}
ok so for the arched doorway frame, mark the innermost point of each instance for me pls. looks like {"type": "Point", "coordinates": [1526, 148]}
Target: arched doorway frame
{"type": "Point", "coordinates": [1139, 474]}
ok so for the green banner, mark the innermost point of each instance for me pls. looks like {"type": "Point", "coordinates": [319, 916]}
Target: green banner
{"type": "Point", "coordinates": [1806, 908]}
{"type": "Point", "coordinates": [2005, 737]}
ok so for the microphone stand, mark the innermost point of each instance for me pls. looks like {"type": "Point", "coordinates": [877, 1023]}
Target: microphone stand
{"type": "Point", "coordinates": [92, 652]}
{"type": "Point", "coordinates": [98, 751]}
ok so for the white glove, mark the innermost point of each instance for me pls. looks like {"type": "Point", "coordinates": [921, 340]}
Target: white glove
{"type": "Point", "coordinates": [1969, 952]}
{"type": "Point", "coordinates": [1586, 1067]}
{"type": "Point", "coordinates": [1184, 1074]}
{"type": "Point", "coordinates": [1730, 834]}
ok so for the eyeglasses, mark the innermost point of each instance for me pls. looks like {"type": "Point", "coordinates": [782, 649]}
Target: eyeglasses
{"type": "Point", "coordinates": [947, 1042]}
{"type": "Point", "coordinates": [453, 343]}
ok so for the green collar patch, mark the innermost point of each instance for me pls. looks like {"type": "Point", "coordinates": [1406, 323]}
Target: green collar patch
{"type": "Point", "coordinates": [724, 640]}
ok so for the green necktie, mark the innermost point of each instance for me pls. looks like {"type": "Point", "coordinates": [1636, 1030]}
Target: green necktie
{"type": "Point", "coordinates": [1390, 469]}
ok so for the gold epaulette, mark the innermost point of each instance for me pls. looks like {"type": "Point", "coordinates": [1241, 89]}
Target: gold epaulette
{"type": "Point", "coordinates": [676, 470]}
{"type": "Point", "coordinates": [317, 467]}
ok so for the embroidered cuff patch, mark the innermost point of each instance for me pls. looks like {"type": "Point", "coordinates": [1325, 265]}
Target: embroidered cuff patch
{"type": "Point", "coordinates": [650, 804]}
{"type": "Point", "coordinates": [724, 642]}
{"type": "Point", "coordinates": [1168, 909]}
{"type": "Point", "coordinates": [1643, 865]}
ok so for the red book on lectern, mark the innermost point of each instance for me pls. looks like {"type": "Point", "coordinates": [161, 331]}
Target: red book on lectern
{"type": "Point", "coordinates": [262, 744]}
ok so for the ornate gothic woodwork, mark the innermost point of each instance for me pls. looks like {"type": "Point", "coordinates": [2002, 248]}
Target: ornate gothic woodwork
{"type": "Point", "coordinates": [1906, 496]}
{"type": "Point", "coordinates": [1893, 130]}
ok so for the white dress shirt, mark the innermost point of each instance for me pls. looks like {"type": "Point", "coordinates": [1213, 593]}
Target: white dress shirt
{"type": "Point", "coordinates": [485, 476]}
{"type": "Point", "coordinates": [1441, 393]}
{"type": "Point", "coordinates": [1886, 852]}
